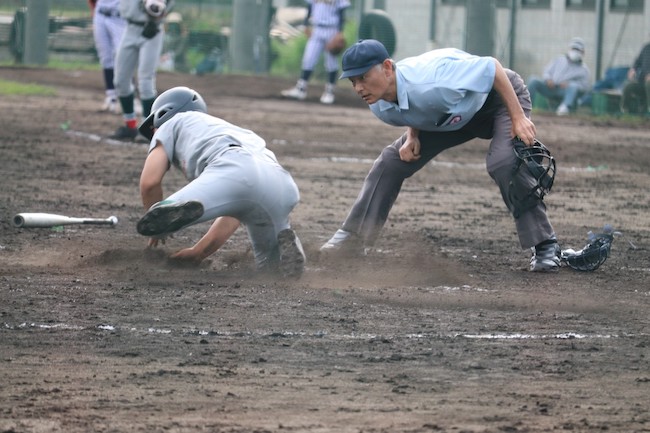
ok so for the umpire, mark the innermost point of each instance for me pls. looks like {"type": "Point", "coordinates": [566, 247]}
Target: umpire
{"type": "Point", "coordinates": [444, 97]}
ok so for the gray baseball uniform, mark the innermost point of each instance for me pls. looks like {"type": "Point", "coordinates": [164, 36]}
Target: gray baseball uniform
{"type": "Point", "coordinates": [232, 173]}
{"type": "Point", "coordinates": [137, 52]}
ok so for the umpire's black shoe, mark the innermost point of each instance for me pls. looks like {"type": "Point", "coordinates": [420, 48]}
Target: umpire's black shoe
{"type": "Point", "coordinates": [124, 133]}
{"type": "Point", "coordinates": [167, 217]}
{"type": "Point", "coordinates": [546, 257]}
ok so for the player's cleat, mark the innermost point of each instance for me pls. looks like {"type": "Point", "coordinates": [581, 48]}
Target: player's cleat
{"type": "Point", "coordinates": [292, 256]}
{"type": "Point", "coordinates": [167, 217]}
{"type": "Point", "coordinates": [295, 93]}
{"type": "Point", "coordinates": [546, 257]}
{"type": "Point", "coordinates": [124, 133]}
{"type": "Point", "coordinates": [327, 98]}
{"type": "Point", "coordinates": [110, 105]}
{"type": "Point", "coordinates": [328, 95]}
{"type": "Point", "coordinates": [344, 243]}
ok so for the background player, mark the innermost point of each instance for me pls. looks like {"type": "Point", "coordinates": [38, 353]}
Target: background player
{"type": "Point", "coordinates": [108, 27]}
{"type": "Point", "coordinates": [325, 18]}
{"type": "Point", "coordinates": [139, 51]}
{"type": "Point", "coordinates": [233, 178]}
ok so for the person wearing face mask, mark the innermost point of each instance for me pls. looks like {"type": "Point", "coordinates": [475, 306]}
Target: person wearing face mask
{"type": "Point", "coordinates": [566, 78]}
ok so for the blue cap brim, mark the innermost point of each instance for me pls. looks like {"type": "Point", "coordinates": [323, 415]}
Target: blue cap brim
{"type": "Point", "coordinates": [356, 72]}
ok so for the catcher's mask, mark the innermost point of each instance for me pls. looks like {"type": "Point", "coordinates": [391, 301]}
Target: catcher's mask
{"type": "Point", "coordinates": [592, 255]}
{"type": "Point", "coordinates": [167, 104]}
{"type": "Point", "coordinates": [533, 161]}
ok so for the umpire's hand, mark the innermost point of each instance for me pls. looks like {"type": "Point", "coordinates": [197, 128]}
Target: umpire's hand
{"type": "Point", "coordinates": [410, 150]}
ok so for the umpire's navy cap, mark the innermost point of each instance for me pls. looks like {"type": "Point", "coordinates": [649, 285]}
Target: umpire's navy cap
{"type": "Point", "coordinates": [362, 56]}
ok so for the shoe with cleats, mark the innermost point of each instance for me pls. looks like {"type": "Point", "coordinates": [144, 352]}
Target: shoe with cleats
{"type": "Point", "coordinates": [327, 97]}
{"type": "Point", "coordinates": [343, 243]}
{"type": "Point", "coordinates": [111, 105]}
{"type": "Point", "coordinates": [295, 93]}
{"type": "Point", "coordinates": [124, 133]}
{"type": "Point", "coordinates": [292, 255]}
{"type": "Point", "coordinates": [546, 257]}
{"type": "Point", "coordinates": [167, 217]}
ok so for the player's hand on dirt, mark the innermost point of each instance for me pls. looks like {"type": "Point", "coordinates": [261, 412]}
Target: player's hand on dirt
{"type": "Point", "coordinates": [410, 150]}
{"type": "Point", "coordinates": [187, 257]}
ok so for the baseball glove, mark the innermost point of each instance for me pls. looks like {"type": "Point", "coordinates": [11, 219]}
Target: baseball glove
{"type": "Point", "coordinates": [593, 254]}
{"type": "Point", "coordinates": [150, 29]}
{"type": "Point", "coordinates": [155, 8]}
{"type": "Point", "coordinates": [336, 45]}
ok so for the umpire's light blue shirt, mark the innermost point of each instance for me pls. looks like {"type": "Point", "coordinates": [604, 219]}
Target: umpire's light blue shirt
{"type": "Point", "coordinates": [440, 90]}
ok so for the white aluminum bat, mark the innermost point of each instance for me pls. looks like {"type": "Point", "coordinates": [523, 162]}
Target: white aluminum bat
{"type": "Point", "coordinates": [52, 220]}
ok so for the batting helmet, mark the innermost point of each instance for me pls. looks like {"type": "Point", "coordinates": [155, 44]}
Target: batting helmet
{"type": "Point", "coordinates": [167, 104]}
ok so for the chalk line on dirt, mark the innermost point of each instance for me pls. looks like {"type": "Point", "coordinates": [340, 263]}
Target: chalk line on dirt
{"type": "Point", "coordinates": [317, 334]}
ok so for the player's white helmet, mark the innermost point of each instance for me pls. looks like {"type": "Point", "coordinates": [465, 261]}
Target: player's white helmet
{"type": "Point", "coordinates": [168, 104]}
{"type": "Point", "coordinates": [155, 8]}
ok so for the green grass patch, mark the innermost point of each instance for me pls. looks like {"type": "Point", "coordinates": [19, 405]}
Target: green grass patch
{"type": "Point", "coordinates": [15, 88]}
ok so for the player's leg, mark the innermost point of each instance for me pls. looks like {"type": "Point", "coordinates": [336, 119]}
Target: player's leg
{"type": "Point", "coordinates": [310, 57]}
{"type": "Point", "coordinates": [126, 60]}
{"type": "Point", "coordinates": [149, 58]}
{"type": "Point", "coordinates": [331, 67]}
{"type": "Point", "coordinates": [273, 195]}
{"type": "Point", "coordinates": [101, 36]}
{"type": "Point", "coordinates": [198, 201]}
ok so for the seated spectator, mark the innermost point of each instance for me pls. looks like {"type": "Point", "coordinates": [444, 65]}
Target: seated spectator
{"type": "Point", "coordinates": [614, 80]}
{"type": "Point", "coordinates": [566, 78]}
{"type": "Point", "coordinates": [637, 88]}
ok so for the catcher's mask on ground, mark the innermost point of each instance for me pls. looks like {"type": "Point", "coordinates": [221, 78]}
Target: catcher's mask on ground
{"type": "Point", "coordinates": [532, 177]}
{"type": "Point", "coordinates": [593, 254]}
{"type": "Point", "coordinates": [167, 104]}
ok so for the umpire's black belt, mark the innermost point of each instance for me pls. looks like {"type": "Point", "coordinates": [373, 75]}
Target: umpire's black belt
{"type": "Point", "coordinates": [108, 12]}
{"type": "Point", "coordinates": [137, 23]}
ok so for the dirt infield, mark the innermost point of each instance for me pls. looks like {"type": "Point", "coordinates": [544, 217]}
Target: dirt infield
{"type": "Point", "coordinates": [439, 329]}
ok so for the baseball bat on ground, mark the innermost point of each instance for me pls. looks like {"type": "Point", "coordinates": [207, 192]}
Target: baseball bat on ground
{"type": "Point", "coordinates": [52, 220]}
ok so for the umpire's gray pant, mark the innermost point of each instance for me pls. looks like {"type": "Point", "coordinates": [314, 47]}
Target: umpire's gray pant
{"type": "Point", "coordinates": [384, 181]}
